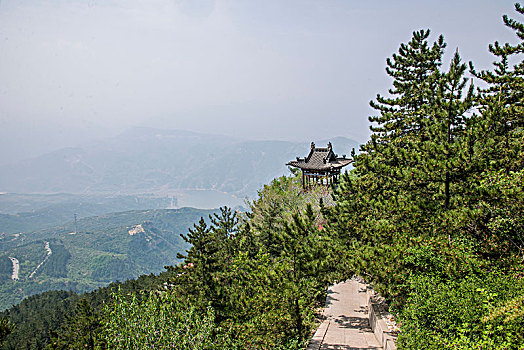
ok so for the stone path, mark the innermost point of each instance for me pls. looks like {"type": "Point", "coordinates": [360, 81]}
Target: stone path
{"type": "Point", "coordinates": [347, 325]}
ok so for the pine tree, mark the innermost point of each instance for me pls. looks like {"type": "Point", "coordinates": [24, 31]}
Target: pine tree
{"type": "Point", "coordinates": [205, 274]}
{"type": "Point", "coordinates": [411, 173]}
{"type": "Point", "coordinates": [413, 71]}
{"type": "Point", "coordinates": [271, 209]}
{"type": "Point", "coordinates": [224, 226]}
{"type": "Point", "coordinates": [502, 103]}
{"type": "Point", "coordinates": [303, 252]}
{"type": "Point", "coordinates": [445, 153]}
{"type": "Point", "coordinates": [497, 223]}
{"type": "Point", "coordinates": [198, 266]}
{"type": "Point", "coordinates": [417, 148]}
{"type": "Point", "coordinates": [391, 160]}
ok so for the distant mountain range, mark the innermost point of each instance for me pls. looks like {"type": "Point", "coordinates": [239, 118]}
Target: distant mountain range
{"type": "Point", "coordinates": [144, 160]}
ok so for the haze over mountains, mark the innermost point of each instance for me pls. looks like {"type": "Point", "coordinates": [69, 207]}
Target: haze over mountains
{"type": "Point", "coordinates": [145, 160]}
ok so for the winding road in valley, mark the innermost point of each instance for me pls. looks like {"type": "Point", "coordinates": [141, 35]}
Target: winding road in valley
{"type": "Point", "coordinates": [49, 252]}
{"type": "Point", "coordinates": [16, 268]}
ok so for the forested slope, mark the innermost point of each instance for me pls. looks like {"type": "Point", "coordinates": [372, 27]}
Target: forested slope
{"type": "Point", "coordinates": [248, 280]}
{"type": "Point", "coordinates": [105, 248]}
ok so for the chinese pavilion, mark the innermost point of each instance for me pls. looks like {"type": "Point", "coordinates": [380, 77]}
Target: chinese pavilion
{"type": "Point", "coordinates": [321, 167]}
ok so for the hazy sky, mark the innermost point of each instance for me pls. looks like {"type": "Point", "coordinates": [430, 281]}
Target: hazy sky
{"type": "Point", "coordinates": [299, 70]}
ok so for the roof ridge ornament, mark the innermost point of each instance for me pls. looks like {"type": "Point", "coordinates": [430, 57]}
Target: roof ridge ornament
{"type": "Point", "coordinates": [312, 145]}
{"type": "Point", "coordinates": [330, 146]}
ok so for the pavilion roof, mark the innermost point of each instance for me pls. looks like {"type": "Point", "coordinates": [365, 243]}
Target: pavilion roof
{"type": "Point", "coordinates": [320, 159]}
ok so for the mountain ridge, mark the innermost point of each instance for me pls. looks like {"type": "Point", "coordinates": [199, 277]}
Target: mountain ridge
{"type": "Point", "coordinates": [142, 160]}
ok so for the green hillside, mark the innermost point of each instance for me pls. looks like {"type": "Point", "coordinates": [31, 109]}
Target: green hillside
{"type": "Point", "coordinates": [106, 248]}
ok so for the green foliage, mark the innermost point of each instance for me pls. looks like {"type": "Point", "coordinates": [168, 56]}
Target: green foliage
{"type": "Point", "coordinates": [265, 274]}
{"type": "Point", "coordinates": [432, 213]}
{"type": "Point", "coordinates": [275, 205]}
{"type": "Point", "coordinates": [502, 103]}
{"type": "Point", "coordinates": [259, 297]}
{"type": "Point", "coordinates": [35, 317]}
{"type": "Point", "coordinates": [81, 330]}
{"type": "Point", "coordinates": [6, 268]}
{"type": "Point", "coordinates": [411, 173]}
{"type": "Point", "coordinates": [199, 262]}
{"type": "Point", "coordinates": [417, 154]}
{"type": "Point", "coordinates": [5, 328]}
{"type": "Point", "coordinates": [272, 299]}
{"type": "Point", "coordinates": [415, 80]}
{"type": "Point", "coordinates": [481, 312]}
{"type": "Point", "coordinates": [52, 314]}
{"type": "Point", "coordinates": [497, 221]}
{"type": "Point", "coordinates": [159, 321]}
{"type": "Point", "coordinates": [204, 272]}
{"type": "Point", "coordinates": [303, 252]}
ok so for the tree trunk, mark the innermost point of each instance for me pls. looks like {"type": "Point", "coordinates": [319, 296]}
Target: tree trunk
{"type": "Point", "coordinates": [446, 191]}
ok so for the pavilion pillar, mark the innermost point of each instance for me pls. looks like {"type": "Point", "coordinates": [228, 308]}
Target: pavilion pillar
{"type": "Point", "coordinates": [308, 180]}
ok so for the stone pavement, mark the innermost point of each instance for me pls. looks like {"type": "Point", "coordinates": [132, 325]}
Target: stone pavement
{"type": "Point", "coordinates": [347, 325]}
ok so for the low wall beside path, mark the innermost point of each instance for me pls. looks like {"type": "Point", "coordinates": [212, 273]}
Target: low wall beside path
{"type": "Point", "coordinates": [381, 322]}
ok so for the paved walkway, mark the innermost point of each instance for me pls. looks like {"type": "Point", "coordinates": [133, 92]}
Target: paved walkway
{"type": "Point", "coordinates": [347, 325]}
